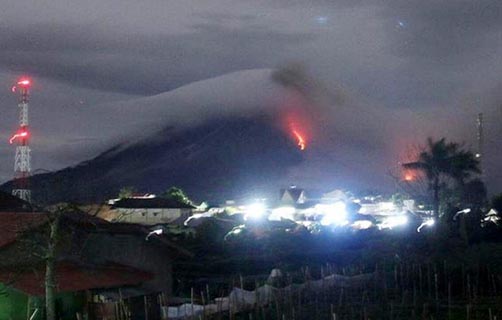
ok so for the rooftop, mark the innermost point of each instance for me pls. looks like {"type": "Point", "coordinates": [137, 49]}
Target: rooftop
{"type": "Point", "coordinates": [72, 277]}
{"type": "Point", "coordinates": [14, 223]}
{"type": "Point", "coordinates": [149, 203]}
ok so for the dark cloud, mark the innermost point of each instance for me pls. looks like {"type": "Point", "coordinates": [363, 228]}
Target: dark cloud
{"type": "Point", "coordinates": [444, 48]}
{"type": "Point", "coordinates": [338, 4]}
{"type": "Point", "coordinates": [222, 18]}
{"type": "Point", "coordinates": [139, 64]}
{"type": "Point", "coordinates": [443, 31]}
{"type": "Point", "coordinates": [430, 51]}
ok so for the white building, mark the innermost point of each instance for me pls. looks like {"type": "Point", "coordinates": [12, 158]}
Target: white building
{"type": "Point", "coordinates": [151, 211]}
{"type": "Point", "coordinates": [293, 195]}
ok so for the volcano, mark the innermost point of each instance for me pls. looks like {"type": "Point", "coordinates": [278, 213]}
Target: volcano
{"type": "Point", "coordinates": [224, 158]}
{"type": "Point", "coordinates": [220, 138]}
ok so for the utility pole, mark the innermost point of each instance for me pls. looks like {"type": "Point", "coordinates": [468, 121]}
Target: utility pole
{"type": "Point", "coordinates": [479, 154]}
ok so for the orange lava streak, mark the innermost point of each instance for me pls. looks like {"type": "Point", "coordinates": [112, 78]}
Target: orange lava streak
{"type": "Point", "coordinates": [301, 141]}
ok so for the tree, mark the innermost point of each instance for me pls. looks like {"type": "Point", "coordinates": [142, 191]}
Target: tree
{"type": "Point", "coordinates": [38, 242]}
{"type": "Point", "coordinates": [176, 194]}
{"type": "Point", "coordinates": [497, 204]}
{"type": "Point", "coordinates": [441, 161]}
{"type": "Point", "coordinates": [126, 192]}
{"type": "Point", "coordinates": [474, 194]}
{"type": "Point", "coordinates": [50, 262]}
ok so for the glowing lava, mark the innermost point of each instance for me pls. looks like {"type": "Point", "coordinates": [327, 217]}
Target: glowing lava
{"type": "Point", "coordinates": [301, 141]}
{"type": "Point", "coordinates": [409, 176]}
{"type": "Point", "coordinates": [297, 118]}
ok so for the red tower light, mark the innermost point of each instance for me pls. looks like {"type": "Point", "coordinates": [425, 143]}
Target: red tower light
{"type": "Point", "coordinates": [24, 82]}
{"type": "Point", "coordinates": [20, 134]}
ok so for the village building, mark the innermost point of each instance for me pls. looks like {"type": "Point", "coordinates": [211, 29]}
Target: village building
{"type": "Point", "coordinates": [151, 211]}
{"type": "Point", "coordinates": [100, 267]}
{"type": "Point", "coordinates": [334, 196]}
{"type": "Point", "coordinates": [292, 196]}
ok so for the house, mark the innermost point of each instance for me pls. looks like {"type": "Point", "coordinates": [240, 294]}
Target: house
{"type": "Point", "coordinates": [334, 196]}
{"type": "Point", "coordinates": [99, 265]}
{"type": "Point", "coordinates": [151, 211]}
{"type": "Point", "coordinates": [292, 195]}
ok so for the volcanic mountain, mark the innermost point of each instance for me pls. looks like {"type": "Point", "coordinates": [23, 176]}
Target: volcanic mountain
{"type": "Point", "coordinates": [218, 160]}
{"type": "Point", "coordinates": [217, 139]}
{"type": "Point", "coordinates": [239, 135]}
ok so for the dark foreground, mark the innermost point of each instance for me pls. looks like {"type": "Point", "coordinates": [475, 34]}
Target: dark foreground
{"type": "Point", "coordinates": [434, 275]}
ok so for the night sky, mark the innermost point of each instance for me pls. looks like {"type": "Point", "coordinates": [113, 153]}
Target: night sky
{"type": "Point", "coordinates": [385, 74]}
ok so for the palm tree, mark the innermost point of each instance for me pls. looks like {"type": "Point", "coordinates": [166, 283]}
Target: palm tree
{"type": "Point", "coordinates": [441, 159]}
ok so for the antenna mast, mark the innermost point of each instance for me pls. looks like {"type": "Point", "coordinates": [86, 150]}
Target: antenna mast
{"type": "Point", "coordinates": [22, 166]}
{"type": "Point", "coordinates": [479, 154]}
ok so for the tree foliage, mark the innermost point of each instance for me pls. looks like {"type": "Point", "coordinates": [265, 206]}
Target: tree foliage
{"type": "Point", "coordinates": [176, 194]}
{"type": "Point", "coordinates": [497, 203]}
{"type": "Point", "coordinates": [441, 161]}
{"type": "Point", "coordinates": [126, 192]}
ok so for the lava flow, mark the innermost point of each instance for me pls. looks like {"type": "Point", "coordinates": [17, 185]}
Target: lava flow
{"type": "Point", "coordinates": [301, 141]}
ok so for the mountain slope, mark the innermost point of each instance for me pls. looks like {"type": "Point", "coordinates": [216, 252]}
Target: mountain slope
{"type": "Point", "coordinates": [220, 159]}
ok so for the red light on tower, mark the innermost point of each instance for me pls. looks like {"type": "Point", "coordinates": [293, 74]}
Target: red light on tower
{"type": "Point", "coordinates": [21, 134]}
{"type": "Point", "coordinates": [24, 82]}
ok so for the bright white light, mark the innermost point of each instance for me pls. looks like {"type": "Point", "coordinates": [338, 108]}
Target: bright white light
{"type": "Point", "coordinates": [362, 224]}
{"type": "Point", "coordinates": [363, 210]}
{"type": "Point", "coordinates": [329, 221]}
{"type": "Point", "coordinates": [387, 206]}
{"type": "Point", "coordinates": [255, 211]}
{"type": "Point", "coordinates": [428, 223]}
{"type": "Point", "coordinates": [156, 232]}
{"type": "Point", "coordinates": [461, 212]}
{"type": "Point", "coordinates": [397, 221]}
{"type": "Point", "coordinates": [492, 216]}
{"type": "Point", "coordinates": [393, 221]}
{"type": "Point", "coordinates": [282, 213]}
{"type": "Point", "coordinates": [197, 216]}
{"type": "Point", "coordinates": [335, 213]}
{"type": "Point", "coordinates": [306, 224]}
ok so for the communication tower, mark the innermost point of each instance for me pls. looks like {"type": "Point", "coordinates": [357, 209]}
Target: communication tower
{"type": "Point", "coordinates": [22, 167]}
{"type": "Point", "coordinates": [480, 139]}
